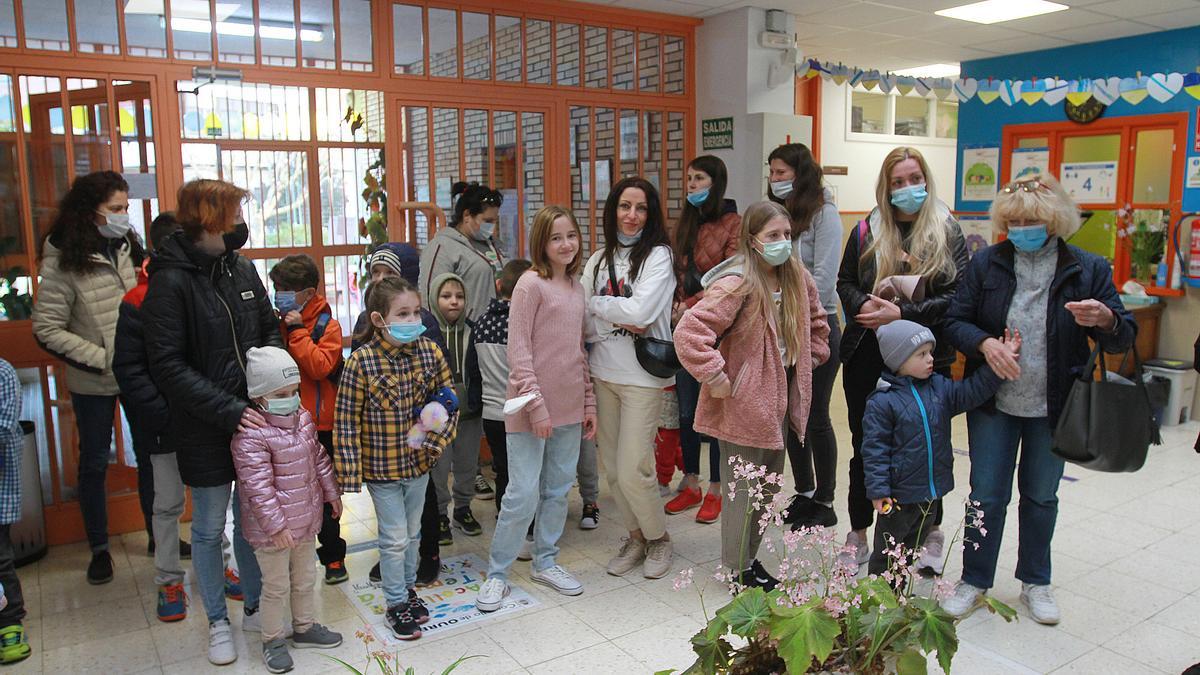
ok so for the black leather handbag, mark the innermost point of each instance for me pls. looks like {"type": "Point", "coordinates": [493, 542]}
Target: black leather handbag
{"type": "Point", "coordinates": [655, 355]}
{"type": "Point", "coordinates": [1106, 426]}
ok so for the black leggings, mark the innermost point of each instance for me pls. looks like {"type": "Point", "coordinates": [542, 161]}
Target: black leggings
{"type": "Point", "coordinates": [332, 547]}
{"type": "Point", "coordinates": [858, 381]}
{"type": "Point", "coordinates": [819, 452]}
{"type": "Point", "coordinates": [688, 391]}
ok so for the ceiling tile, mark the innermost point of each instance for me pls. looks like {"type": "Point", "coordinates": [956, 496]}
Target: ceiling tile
{"type": "Point", "coordinates": [861, 15]}
{"type": "Point", "coordinates": [973, 35]}
{"type": "Point", "coordinates": [921, 25]}
{"type": "Point", "coordinates": [1179, 19]}
{"type": "Point", "coordinates": [921, 5]}
{"type": "Point", "coordinates": [1104, 31]}
{"type": "Point", "coordinates": [1135, 10]}
{"type": "Point", "coordinates": [1026, 43]}
{"type": "Point", "coordinates": [1050, 23]}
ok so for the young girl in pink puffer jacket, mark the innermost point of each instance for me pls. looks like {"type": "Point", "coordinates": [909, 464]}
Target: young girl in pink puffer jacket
{"type": "Point", "coordinates": [284, 480]}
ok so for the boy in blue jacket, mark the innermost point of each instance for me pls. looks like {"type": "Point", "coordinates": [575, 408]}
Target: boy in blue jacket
{"type": "Point", "coordinates": [907, 455]}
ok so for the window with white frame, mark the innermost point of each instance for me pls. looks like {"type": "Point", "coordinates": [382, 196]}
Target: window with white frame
{"type": "Point", "coordinates": [874, 113]}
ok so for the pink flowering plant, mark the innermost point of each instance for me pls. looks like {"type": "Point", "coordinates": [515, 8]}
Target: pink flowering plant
{"type": "Point", "coordinates": [388, 663]}
{"type": "Point", "coordinates": [821, 617]}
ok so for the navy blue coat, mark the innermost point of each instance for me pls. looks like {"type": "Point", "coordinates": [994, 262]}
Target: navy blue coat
{"type": "Point", "coordinates": [906, 450]}
{"type": "Point", "coordinates": [980, 309]}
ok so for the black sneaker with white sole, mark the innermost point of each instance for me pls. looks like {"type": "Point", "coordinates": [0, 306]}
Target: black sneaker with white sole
{"type": "Point", "coordinates": [417, 608]}
{"type": "Point", "coordinates": [464, 520]}
{"type": "Point", "coordinates": [402, 624]}
{"type": "Point", "coordinates": [757, 577]}
{"type": "Point", "coordinates": [483, 490]}
{"type": "Point", "coordinates": [376, 575]}
{"type": "Point", "coordinates": [445, 536]}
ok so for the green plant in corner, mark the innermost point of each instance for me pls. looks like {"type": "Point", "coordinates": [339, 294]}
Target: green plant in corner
{"type": "Point", "coordinates": [388, 664]}
{"type": "Point", "coordinates": [1147, 233]}
{"type": "Point", "coordinates": [14, 304]}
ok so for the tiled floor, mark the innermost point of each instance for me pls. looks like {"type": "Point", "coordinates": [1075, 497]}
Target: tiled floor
{"type": "Point", "coordinates": [1126, 568]}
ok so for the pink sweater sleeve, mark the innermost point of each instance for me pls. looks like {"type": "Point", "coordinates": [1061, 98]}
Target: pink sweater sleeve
{"type": "Point", "coordinates": [522, 317]}
{"type": "Point", "coordinates": [697, 332]}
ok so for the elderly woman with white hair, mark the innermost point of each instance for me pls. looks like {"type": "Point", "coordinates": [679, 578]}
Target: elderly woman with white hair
{"type": "Point", "coordinates": [1058, 296]}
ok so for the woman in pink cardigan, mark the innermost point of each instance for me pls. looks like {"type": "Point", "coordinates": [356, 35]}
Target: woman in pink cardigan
{"type": "Point", "coordinates": [284, 479]}
{"type": "Point", "coordinates": [752, 342]}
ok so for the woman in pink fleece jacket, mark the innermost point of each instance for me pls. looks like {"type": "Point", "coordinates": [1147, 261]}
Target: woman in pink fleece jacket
{"type": "Point", "coordinates": [284, 479]}
{"type": "Point", "coordinates": [752, 342]}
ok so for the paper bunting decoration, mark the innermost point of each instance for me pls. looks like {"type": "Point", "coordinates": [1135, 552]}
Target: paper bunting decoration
{"type": "Point", "coordinates": [989, 90]}
{"type": "Point", "coordinates": [856, 77]}
{"type": "Point", "coordinates": [1032, 91]}
{"type": "Point", "coordinates": [1106, 90]}
{"type": "Point", "coordinates": [803, 69]}
{"type": "Point", "coordinates": [887, 83]}
{"type": "Point", "coordinates": [839, 74]}
{"type": "Point", "coordinates": [905, 84]}
{"type": "Point", "coordinates": [942, 88]}
{"type": "Point", "coordinates": [1133, 89]}
{"type": "Point", "coordinates": [1079, 91]}
{"type": "Point", "coordinates": [1163, 88]}
{"type": "Point", "coordinates": [1056, 91]}
{"type": "Point", "coordinates": [871, 79]}
{"type": "Point", "coordinates": [922, 87]}
{"type": "Point", "coordinates": [1010, 92]}
{"type": "Point", "coordinates": [965, 88]}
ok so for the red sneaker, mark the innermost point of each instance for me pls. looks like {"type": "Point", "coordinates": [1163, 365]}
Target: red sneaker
{"type": "Point", "coordinates": [710, 512]}
{"type": "Point", "coordinates": [686, 499]}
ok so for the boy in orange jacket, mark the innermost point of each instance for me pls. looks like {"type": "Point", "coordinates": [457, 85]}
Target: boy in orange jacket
{"type": "Point", "coordinates": [314, 339]}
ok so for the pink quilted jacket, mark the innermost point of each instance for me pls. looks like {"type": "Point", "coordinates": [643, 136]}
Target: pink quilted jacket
{"type": "Point", "coordinates": [284, 478]}
{"type": "Point", "coordinates": [749, 357]}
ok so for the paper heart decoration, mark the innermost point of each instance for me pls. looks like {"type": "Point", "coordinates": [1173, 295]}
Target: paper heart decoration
{"type": "Point", "coordinates": [803, 68]}
{"type": "Point", "coordinates": [1106, 91]}
{"type": "Point", "coordinates": [887, 83]}
{"type": "Point", "coordinates": [818, 68]}
{"type": "Point", "coordinates": [839, 74]}
{"type": "Point", "coordinates": [1163, 88]}
{"type": "Point", "coordinates": [964, 89]}
{"type": "Point", "coordinates": [942, 88]}
{"type": "Point", "coordinates": [1010, 91]}
{"type": "Point", "coordinates": [1191, 84]}
{"type": "Point", "coordinates": [871, 79]}
{"type": "Point", "coordinates": [1079, 91]}
{"type": "Point", "coordinates": [856, 77]}
{"type": "Point", "coordinates": [1032, 91]}
{"type": "Point", "coordinates": [922, 87]}
{"type": "Point", "coordinates": [989, 91]}
{"type": "Point", "coordinates": [1133, 89]}
{"type": "Point", "coordinates": [905, 84]}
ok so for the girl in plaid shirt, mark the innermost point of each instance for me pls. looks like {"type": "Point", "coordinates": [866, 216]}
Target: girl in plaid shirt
{"type": "Point", "coordinates": [384, 386]}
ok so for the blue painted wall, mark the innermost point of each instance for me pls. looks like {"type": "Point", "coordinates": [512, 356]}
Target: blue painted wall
{"type": "Point", "coordinates": [1165, 52]}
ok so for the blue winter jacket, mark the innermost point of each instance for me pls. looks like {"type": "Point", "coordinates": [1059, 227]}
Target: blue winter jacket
{"type": "Point", "coordinates": [906, 447]}
{"type": "Point", "coordinates": [980, 310]}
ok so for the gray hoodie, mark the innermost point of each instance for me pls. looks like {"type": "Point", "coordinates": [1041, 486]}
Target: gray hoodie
{"type": "Point", "coordinates": [477, 263]}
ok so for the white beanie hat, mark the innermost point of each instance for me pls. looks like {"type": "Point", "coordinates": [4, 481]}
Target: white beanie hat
{"type": "Point", "coordinates": [268, 369]}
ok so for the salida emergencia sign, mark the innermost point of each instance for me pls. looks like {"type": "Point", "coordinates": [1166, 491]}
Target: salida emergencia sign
{"type": "Point", "coordinates": [717, 133]}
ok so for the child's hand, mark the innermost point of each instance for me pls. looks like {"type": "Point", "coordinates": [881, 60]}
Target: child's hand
{"type": "Point", "coordinates": [293, 318]}
{"type": "Point", "coordinates": [1012, 340]}
{"type": "Point", "coordinates": [543, 429]}
{"type": "Point", "coordinates": [251, 419]}
{"type": "Point", "coordinates": [589, 427]}
{"type": "Point", "coordinates": [336, 507]}
{"type": "Point", "coordinates": [283, 539]}
{"type": "Point", "coordinates": [885, 505]}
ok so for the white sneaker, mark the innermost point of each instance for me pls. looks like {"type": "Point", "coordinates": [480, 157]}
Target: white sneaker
{"type": "Point", "coordinates": [965, 599]}
{"type": "Point", "coordinates": [1040, 601]}
{"type": "Point", "coordinates": [491, 595]}
{"type": "Point", "coordinates": [658, 559]}
{"type": "Point", "coordinates": [861, 553]}
{"type": "Point", "coordinates": [633, 551]}
{"type": "Point", "coordinates": [559, 579]}
{"type": "Point", "coordinates": [526, 552]}
{"type": "Point", "coordinates": [932, 558]}
{"type": "Point", "coordinates": [252, 623]}
{"type": "Point", "coordinates": [220, 644]}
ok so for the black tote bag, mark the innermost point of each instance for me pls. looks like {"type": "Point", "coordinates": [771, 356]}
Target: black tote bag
{"type": "Point", "coordinates": [1106, 426]}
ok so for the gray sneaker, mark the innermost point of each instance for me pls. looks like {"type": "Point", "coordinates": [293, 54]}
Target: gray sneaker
{"type": "Point", "coordinates": [317, 636]}
{"type": "Point", "coordinates": [633, 551]}
{"type": "Point", "coordinates": [559, 579]}
{"type": "Point", "coordinates": [275, 655]}
{"type": "Point", "coordinates": [658, 559]}
{"type": "Point", "coordinates": [965, 599]}
{"type": "Point", "coordinates": [1041, 604]}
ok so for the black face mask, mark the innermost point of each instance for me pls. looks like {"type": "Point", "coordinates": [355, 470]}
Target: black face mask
{"type": "Point", "coordinates": [238, 238]}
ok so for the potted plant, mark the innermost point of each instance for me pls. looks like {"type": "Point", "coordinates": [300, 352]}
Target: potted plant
{"type": "Point", "coordinates": [1147, 233]}
{"type": "Point", "coordinates": [821, 618]}
{"type": "Point", "coordinates": [388, 663]}
{"type": "Point", "coordinates": [15, 305]}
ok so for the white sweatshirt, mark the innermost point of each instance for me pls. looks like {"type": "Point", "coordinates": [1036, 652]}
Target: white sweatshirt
{"type": "Point", "coordinates": [648, 304]}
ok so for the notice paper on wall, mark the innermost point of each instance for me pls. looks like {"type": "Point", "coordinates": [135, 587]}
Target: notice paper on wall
{"type": "Point", "coordinates": [1090, 182]}
{"type": "Point", "coordinates": [1028, 162]}
{"type": "Point", "coordinates": [1193, 172]}
{"type": "Point", "coordinates": [980, 167]}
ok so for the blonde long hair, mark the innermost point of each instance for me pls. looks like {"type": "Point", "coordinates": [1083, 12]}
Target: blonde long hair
{"type": "Point", "coordinates": [794, 306]}
{"type": "Point", "coordinates": [929, 253]}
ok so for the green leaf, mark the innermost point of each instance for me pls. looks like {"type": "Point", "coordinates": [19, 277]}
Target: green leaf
{"type": "Point", "coordinates": [665, 672]}
{"type": "Point", "coordinates": [877, 591]}
{"type": "Point", "coordinates": [934, 630]}
{"type": "Point", "coordinates": [713, 653]}
{"type": "Point", "coordinates": [345, 665]}
{"type": "Point", "coordinates": [450, 668]}
{"type": "Point", "coordinates": [808, 634]}
{"type": "Point", "coordinates": [911, 662]}
{"type": "Point", "coordinates": [997, 607]}
{"type": "Point", "coordinates": [748, 612]}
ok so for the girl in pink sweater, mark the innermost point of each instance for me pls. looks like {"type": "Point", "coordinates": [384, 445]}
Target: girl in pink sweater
{"type": "Point", "coordinates": [548, 367]}
{"type": "Point", "coordinates": [752, 342]}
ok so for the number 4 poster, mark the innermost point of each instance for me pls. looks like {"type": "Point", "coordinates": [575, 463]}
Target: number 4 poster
{"type": "Point", "coordinates": [981, 166]}
{"type": "Point", "coordinates": [1090, 182]}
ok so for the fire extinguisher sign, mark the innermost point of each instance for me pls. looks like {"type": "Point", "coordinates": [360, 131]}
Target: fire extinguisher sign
{"type": "Point", "coordinates": [1196, 132]}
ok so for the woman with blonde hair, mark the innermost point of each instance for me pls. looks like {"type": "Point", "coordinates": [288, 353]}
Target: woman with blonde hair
{"type": "Point", "coordinates": [1058, 296]}
{"type": "Point", "coordinates": [909, 232]}
{"type": "Point", "coordinates": [752, 342]}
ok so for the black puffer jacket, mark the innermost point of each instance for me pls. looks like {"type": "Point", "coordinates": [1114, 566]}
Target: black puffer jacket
{"type": "Point", "coordinates": [144, 404]}
{"type": "Point", "coordinates": [201, 315]}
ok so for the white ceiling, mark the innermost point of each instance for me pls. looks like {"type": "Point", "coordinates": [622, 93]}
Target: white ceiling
{"type": "Point", "coordinates": [897, 34]}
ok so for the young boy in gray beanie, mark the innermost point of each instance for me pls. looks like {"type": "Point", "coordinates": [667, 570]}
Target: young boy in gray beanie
{"type": "Point", "coordinates": [907, 456]}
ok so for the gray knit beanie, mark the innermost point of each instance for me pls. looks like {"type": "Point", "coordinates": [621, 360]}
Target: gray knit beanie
{"type": "Point", "coordinates": [268, 369]}
{"type": "Point", "coordinates": [899, 339]}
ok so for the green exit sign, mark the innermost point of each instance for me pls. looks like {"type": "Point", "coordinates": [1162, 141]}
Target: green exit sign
{"type": "Point", "coordinates": [717, 133]}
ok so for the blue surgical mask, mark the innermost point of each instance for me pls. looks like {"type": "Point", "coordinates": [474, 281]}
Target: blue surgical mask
{"type": "Point", "coordinates": [285, 301]}
{"type": "Point", "coordinates": [406, 332]}
{"type": "Point", "coordinates": [776, 252]}
{"type": "Point", "coordinates": [1029, 237]}
{"type": "Point", "coordinates": [627, 239]}
{"type": "Point", "coordinates": [909, 199]}
{"type": "Point", "coordinates": [698, 197]}
{"type": "Point", "coordinates": [283, 406]}
{"type": "Point", "coordinates": [486, 230]}
{"type": "Point", "coordinates": [781, 188]}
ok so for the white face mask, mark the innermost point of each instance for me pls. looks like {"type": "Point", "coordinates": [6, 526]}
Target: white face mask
{"type": "Point", "coordinates": [116, 225]}
{"type": "Point", "coordinates": [781, 188]}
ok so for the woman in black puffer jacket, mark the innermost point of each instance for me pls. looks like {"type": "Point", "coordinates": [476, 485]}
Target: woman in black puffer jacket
{"type": "Point", "coordinates": [205, 308]}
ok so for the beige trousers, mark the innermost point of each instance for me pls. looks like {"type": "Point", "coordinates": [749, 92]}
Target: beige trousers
{"type": "Point", "coordinates": [626, 420]}
{"type": "Point", "coordinates": [739, 538]}
{"type": "Point", "coordinates": [284, 571]}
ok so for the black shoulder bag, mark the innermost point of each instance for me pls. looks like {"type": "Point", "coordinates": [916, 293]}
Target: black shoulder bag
{"type": "Point", "coordinates": [655, 355]}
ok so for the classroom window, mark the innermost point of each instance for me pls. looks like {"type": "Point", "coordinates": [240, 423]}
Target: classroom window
{"type": "Point", "coordinates": [895, 114]}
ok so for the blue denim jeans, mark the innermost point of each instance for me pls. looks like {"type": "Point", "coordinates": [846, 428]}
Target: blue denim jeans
{"type": "Point", "coordinates": [540, 474]}
{"type": "Point", "coordinates": [209, 505]}
{"type": "Point", "coordinates": [94, 418]}
{"type": "Point", "coordinates": [398, 506]}
{"type": "Point", "coordinates": [994, 438]}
